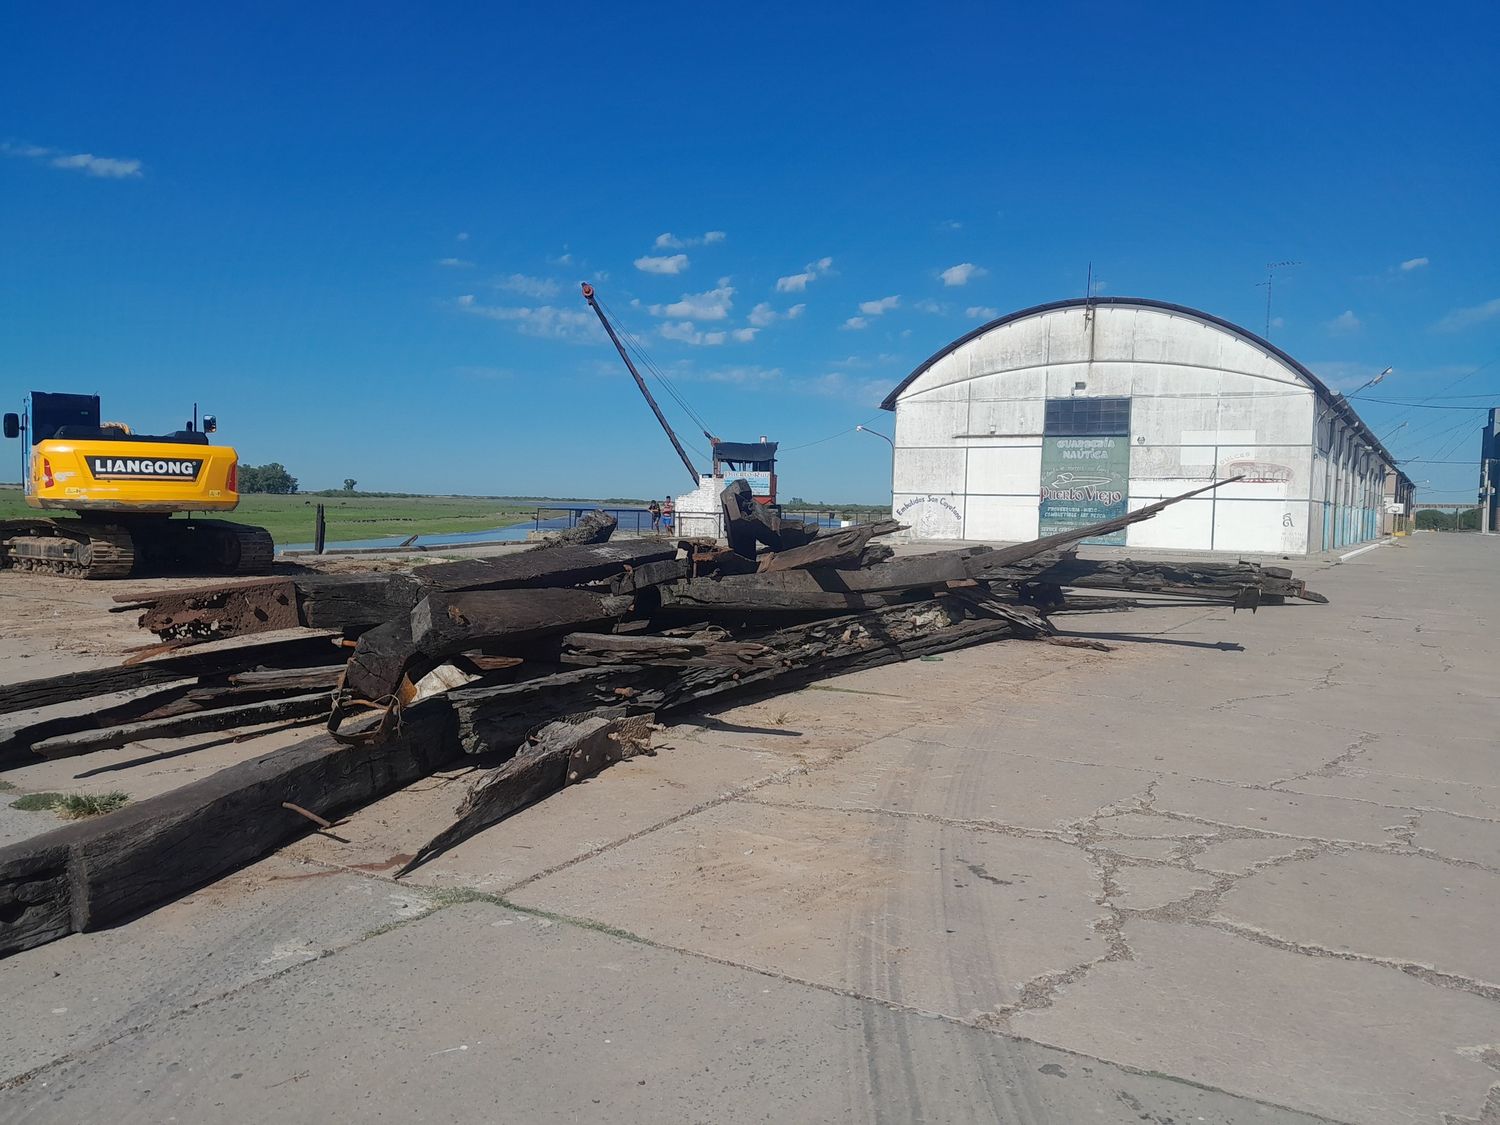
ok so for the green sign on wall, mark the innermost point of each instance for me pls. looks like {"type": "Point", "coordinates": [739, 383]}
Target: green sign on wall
{"type": "Point", "coordinates": [1084, 480]}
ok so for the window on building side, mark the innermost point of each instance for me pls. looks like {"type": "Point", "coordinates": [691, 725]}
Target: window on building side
{"type": "Point", "coordinates": [1087, 416]}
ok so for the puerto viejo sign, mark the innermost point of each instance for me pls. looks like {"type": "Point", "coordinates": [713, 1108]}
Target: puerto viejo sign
{"type": "Point", "coordinates": [1084, 480]}
{"type": "Point", "coordinates": [111, 467]}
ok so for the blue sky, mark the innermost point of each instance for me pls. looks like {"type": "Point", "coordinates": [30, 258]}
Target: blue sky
{"type": "Point", "coordinates": [356, 233]}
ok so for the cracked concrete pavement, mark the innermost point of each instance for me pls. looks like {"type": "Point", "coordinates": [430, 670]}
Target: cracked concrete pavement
{"type": "Point", "coordinates": [1240, 869]}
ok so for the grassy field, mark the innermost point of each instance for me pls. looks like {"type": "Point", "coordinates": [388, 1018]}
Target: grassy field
{"type": "Point", "coordinates": [290, 518]}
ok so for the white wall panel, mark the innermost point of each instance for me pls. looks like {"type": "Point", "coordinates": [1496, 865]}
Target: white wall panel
{"type": "Point", "coordinates": [1067, 336]}
{"type": "Point", "coordinates": [1001, 517]}
{"type": "Point", "coordinates": [1188, 524]}
{"type": "Point", "coordinates": [929, 470]}
{"type": "Point", "coordinates": [1006, 417]}
{"type": "Point", "coordinates": [1012, 471]}
{"type": "Point", "coordinates": [931, 422]}
{"type": "Point", "coordinates": [1263, 527]}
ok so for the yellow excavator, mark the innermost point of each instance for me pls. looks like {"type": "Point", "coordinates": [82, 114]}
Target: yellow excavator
{"type": "Point", "coordinates": [124, 488]}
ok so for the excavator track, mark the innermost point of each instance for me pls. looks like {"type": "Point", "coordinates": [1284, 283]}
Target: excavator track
{"type": "Point", "coordinates": [233, 548]}
{"type": "Point", "coordinates": [76, 548]}
{"type": "Point", "coordinates": [67, 548]}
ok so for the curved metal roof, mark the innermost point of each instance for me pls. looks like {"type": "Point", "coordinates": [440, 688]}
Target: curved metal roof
{"type": "Point", "coordinates": [1335, 399]}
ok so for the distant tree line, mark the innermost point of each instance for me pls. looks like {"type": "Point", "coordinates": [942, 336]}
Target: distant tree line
{"type": "Point", "coordinates": [271, 478]}
{"type": "Point", "coordinates": [1434, 519]}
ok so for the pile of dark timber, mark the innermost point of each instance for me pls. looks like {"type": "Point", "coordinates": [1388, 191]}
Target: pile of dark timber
{"type": "Point", "coordinates": [539, 668]}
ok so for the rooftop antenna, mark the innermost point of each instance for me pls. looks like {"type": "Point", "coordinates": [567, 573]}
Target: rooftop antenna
{"type": "Point", "coordinates": [1271, 268]}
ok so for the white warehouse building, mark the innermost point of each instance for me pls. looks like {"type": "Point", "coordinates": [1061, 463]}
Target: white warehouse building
{"type": "Point", "coordinates": [1069, 413]}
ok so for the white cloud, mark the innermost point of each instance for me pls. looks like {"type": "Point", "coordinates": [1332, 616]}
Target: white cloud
{"type": "Point", "coordinates": [545, 320]}
{"type": "Point", "coordinates": [463, 236]}
{"type": "Point", "coordinates": [837, 384]}
{"type": "Point", "coordinates": [1346, 323]}
{"type": "Point", "coordinates": [744, 374]}
{"type": "Point", "coordinates": [455, 263]}
{"type": "Point", "coordinates": [928, 305]}
{"type": "Point", "coordinates": [1466, 318]}
{"type": "Point", "coordinates": [1413, 264]}
{"type": "Point", "coordinates": [763, 315]}
{"type": "Point", "coordinates": [797, 282]}
{"type": "Point", "coordinates": [962, 273]}
{"type": "Point", "coordinates": [950, 224]}
{"type": "Point", "coordinates": [981, 312]}
{"type": "Point", "coordinates": [672, 263]}
{"type": "Point", "coordinates": [880, 306]}
{"type": "Point", "coordinates": [670, 241]}
{"type": "Point", "coordinates": [563, 259]}
{"type": "Point", "coordinates": [685, 331]}
{"type": "Point", "coordinates": [102, 167]}
{"type": "Point", "coordinates": [712, 305]}
{"type": "Point", "coordinates": [855, 323]}
{"type": "Point", "coordinates": [540, 288]}
{"type": "Point", "coordinates": [744, 335]}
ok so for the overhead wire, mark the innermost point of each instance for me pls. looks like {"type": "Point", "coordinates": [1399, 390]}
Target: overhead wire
{"type": "Point", "coordinates": [830, 437]}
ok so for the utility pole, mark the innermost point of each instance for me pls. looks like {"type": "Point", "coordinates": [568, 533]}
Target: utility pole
{"type": "Point", "coordinates": [1485, 503]}
{"type": "Point", "coordinates": [1271, 268]}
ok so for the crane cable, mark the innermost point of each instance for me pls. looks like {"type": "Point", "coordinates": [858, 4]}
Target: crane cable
{"type": "Point", "coordinates": [634, 343]}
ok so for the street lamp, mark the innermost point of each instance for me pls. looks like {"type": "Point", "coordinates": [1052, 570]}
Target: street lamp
{"type": "Point", "coordinates": [1372, 382]}
{"type": "Point", "coordinates": [877, 433]}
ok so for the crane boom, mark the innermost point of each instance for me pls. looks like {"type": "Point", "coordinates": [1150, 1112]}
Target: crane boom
{"type": "Point", "coordinates": [588, 295]}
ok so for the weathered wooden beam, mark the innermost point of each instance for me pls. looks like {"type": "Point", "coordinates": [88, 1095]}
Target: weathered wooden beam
{"type": "Point", "coordinates": [94, 872]}
{"type": "Point", "coordinates": [825, 589]}
{"type": "Point", "coordinates": [299, 651]}
{"type": "Point", "coordinates": [287, 679]}
{"type": "Point", "coordinates": [587, 649]}
{"type": "Point", "coordinates": [446, 624]}
{"type": "Point", "coordinates": [594, 527]}
{"type": "Point", "coordinates": [358, 602]}
{"type": "Point", "coordinates": [836, 646]}
{"type": "Point", "coordinates": [16, 743]}
{"type": "Point", "coordinates": [491, 717]}
{"type": "Point", "coordinates": [791, 591]}
{"type": "Point", "coordinates": [561, 753]}
{"type": "Point", "coordinates": [829, 549]}
{"type": "Point", "coordinates": [747, 523]}
{"type": "Point", "coordinates": [648, 575]}
{"type": "Point", "coordinates": [268, 711]}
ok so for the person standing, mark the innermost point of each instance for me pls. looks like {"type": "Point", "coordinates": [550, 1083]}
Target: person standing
{"type": "Point", "coordinates": [655, 509]}
{"type": "Point", "coordinates": [668, 514]}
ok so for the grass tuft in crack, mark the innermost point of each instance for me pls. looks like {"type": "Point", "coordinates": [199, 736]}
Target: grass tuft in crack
{"type": "Point", "coordinates": [72, 806]}
{"type": "Point", "coordinates": [37, 802]}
